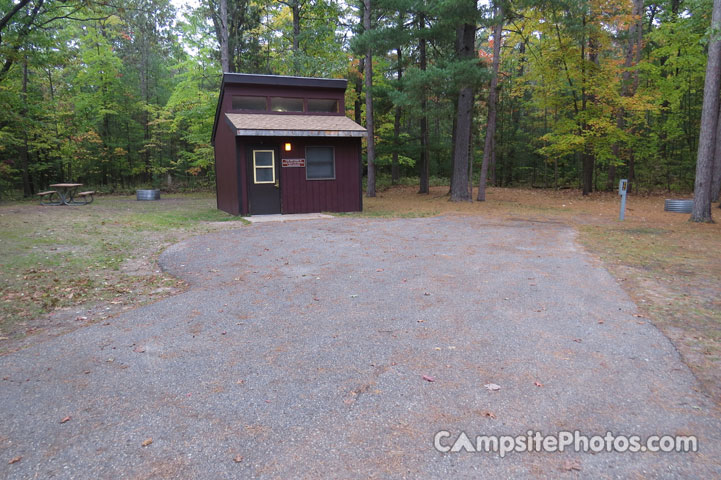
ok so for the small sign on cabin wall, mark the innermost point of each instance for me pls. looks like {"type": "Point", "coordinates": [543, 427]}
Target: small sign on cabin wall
{"type": "Point", "coordinates": [293, 162]}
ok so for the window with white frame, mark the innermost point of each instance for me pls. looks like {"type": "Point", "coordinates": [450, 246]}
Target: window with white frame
{"type": "Point", "coordinates": [263, 166]}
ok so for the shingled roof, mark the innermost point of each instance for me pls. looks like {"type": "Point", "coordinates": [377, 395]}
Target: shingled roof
{"type": "Point", "coordinates": [258, 124]}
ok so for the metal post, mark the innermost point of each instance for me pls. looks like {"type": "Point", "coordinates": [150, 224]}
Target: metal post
{"type": "Point", "coordinates": [622, 185]}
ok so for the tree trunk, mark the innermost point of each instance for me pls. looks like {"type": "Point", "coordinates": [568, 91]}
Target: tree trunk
{"type": "Point", "coordinates": [488, 149]}
{"type": "Point", "coordinates": [491, 171]}
{"type": "Point", "coordinates": [295, 7]}
{"type": "Point", "coordinates": [465, 49]}
{"type": "Point", "coordinates": [296, 26]}
{"type": "Point", "coordinates": [709, 117]}
{"type": "Point", "coordinates": [395, 170]}
{"type": "Point", "coordinates": [25, 155]}
{"type": "Point", "coordinates": [587, 159]}
{"type": "Point", "coordinates": [716, 177]}
{"type": "Point", "coordinates": [454, 131]}
{"type": "Point", "coordinates": [223, 25]}
{"type": "Point", "coordinates": [424, 163]}
{"type": "Point", "coordinates": [471, 157]}
{"type": "Point", "coordinates": [357, 114]}
{"type": "Point", "coordinates": [371, 187]}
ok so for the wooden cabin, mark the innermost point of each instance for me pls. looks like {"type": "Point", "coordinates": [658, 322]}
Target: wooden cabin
{"type": "Point", "coordinates": [284, 145]}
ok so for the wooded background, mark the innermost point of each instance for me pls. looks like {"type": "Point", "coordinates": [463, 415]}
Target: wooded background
{"type": "Point", "coordinates": [117, 94]}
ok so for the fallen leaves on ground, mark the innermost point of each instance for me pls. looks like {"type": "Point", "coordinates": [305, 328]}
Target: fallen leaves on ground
{"type": "Point", "coordinates": [428, 378]}
{"type": "Point", "coordinates": [238, 458]}
{"type": "Point", "coordinates": [147, 442]}
{"type": "Point", "coordinates": [489, 414]}
{"type": "Point", "coordinates": [492, 387]}
{"type": "Point", "coordinates": [571, 465]}
{"type": "Point", "coordinates": [14, 460]}
{"type": "Point", "coordinates": [538, 384]}
{"type": "Point", "coordinates": [66, 419]}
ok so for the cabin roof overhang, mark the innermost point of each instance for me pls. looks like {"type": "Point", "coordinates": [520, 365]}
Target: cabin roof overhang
{"type": "Point", "coordinates": [265, 125]}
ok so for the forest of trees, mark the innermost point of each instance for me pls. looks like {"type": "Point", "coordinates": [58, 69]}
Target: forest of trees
{"type": "Point", "coordinates": [573, 93]}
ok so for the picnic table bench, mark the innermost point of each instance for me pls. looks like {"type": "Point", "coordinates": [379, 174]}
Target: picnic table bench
{"type": "Point", "coordinates": [66, 194]}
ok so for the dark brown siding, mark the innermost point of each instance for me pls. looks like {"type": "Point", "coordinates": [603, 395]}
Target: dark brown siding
{"type": "Point", "coordinates": [226, 170]}
{"type": "Point", "coordinates": [299, 195]}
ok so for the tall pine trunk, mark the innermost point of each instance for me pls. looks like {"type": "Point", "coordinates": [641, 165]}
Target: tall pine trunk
{"type": "Point", "coordinates": [424, 173]}
{"type": "Point", "coordinates": [358, 84]}
{"type": "Point", "coordinates": [371, 151]}
{"type": "Point", "coordinates": [295, 12]}
{"type": "Point", "coordinates": [489, 147]}
{"type": "Point", "coordinates": [716, 177]}
{"type": "Point", "coordinates": [395, 170]}
{"type": "Point", "coordinates": [224, 50]}
{"type": "Point", "coordinates": [465, 49]}
{"type": "Point", "coordinates": [709, 117]}
{"type": "Point", "coordinates": [25, 155]}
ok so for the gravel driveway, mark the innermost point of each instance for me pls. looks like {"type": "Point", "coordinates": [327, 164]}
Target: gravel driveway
{"type": "Point", "coordinates": [300, 351]}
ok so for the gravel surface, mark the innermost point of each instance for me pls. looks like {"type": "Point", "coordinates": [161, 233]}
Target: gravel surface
{"type": "Point", "coordinates": [300, 351]}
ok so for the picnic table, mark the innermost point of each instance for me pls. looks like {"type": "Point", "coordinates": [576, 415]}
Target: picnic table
{"type": "Point", "coordinates": [66, 194]}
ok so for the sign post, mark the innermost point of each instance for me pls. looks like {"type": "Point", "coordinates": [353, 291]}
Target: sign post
{"type": "Point", "coordinates": [622, 186]}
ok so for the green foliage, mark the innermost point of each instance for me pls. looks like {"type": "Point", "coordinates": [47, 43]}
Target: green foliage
{"type": "Point", "coordinates": [116, 95]}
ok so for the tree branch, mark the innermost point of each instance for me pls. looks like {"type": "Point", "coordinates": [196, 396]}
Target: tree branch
{"type": "Point", "coordinates": [8, 16]}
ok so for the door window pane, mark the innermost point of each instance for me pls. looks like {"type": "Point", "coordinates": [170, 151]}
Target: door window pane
{"type": "Point", "coordinates": [320, 163]}
{"type": "Point", "coordinates": [264, 175]}
{"type": "Point", "coordinates": [284, 104]}
{"type": "Point", "coordinates": [263, 158]}
{"type": "Point", "coordinates": [241, 102]}
{"type": "Point", "coordinates": [322, 105]}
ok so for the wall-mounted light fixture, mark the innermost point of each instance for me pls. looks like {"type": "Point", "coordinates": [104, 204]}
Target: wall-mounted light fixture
{"type": "Point", "coordinates": [288, 147]}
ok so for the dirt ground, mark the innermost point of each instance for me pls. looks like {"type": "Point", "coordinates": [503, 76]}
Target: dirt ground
{"type": "Point", "coordinates": [668, 265]}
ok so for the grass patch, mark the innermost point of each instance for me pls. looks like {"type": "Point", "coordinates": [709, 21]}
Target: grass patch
{"type": "Point", "coordinates": [54, 258]}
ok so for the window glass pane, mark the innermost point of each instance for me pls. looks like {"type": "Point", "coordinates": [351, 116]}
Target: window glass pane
{"type": "Point", "coordinates": [322, 105]}
{"type": "Point", "coordinates": [282, 104]}
{"type": "Point", "coordinates": [263, 159]}
{"type": "Point", "coordinates": [264, 175]}
{"type": "Point", "coordinates": [319, 162]}
{"type": "Point", "coordinates": [248, 103]}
